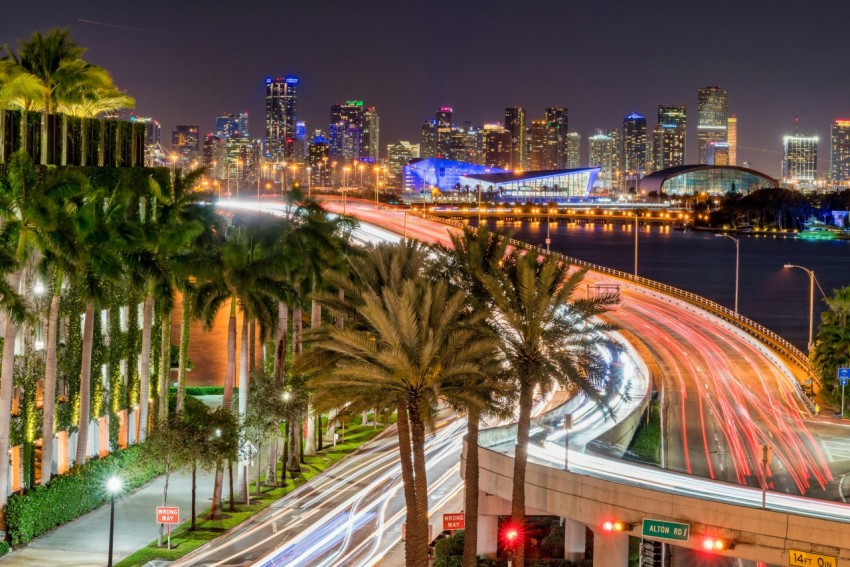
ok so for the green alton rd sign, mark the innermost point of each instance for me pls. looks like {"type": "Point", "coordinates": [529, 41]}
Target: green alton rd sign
{"type": "Point", "coordinates": [660, 529]}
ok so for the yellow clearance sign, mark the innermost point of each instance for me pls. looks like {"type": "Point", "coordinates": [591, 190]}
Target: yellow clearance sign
{"type": "Point", "coordinates": [806, 559]}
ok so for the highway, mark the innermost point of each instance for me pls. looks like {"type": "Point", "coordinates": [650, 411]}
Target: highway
{"type": "Point", "coordinates": [724, 396]}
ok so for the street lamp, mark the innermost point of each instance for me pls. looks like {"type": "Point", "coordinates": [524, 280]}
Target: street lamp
{"type": "Point", "coordinates": [636, 243]}
{"type": "Point", "coordinates": [113, 485]}
{"type": "Point", "coordinates": [811, 300]}
{"type": "Point", "coordinates": [548, 240]}
{"type": "Point", "coordinates": [737, 264]}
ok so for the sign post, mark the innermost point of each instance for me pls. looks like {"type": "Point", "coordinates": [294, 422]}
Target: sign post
{"type": "Point", "coordinates": [843, 378]}
{"type": "Point", "coordinates": [168, 515]}
{"type": "Point", "coordinates": [766, 458]}
{"type": "Point", "coordinates": [662, 529]}
{"type": "Point", "coordinates": [452, 522]}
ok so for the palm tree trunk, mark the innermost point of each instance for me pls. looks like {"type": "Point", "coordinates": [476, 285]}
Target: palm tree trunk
{"type": "Point", "coordinates": [164, 366]}
{"type": "Point", "coordinates": [164, 500]}
{"type": "Point", "coordinates": [6, 391]}
{"type": "Point", "coordinates": [280, 347]}
{"type": "Point", "coordinates": [297, 323]}
{"type": "Point", "coordinates": [520, 461]}
{"type": "Point", "coordinates": [420, 478]}
{"type": "Point", "coordinates": [470, 482]}
{"type": "Point", "coordinates": [252, 346]}
{"type": "Point", "coordinates": [226, 399]}
{"type": "Point", "coordinates": [85, 387]}
{"type": "Point", "coordinates": [310, 445]}
{"type": "Point", "coordinates": [145, 378]}
{"type": "Point", "coordinates": [194, 490]}
{"type": "Point", "coordinates": [47, 425]}
{"type": "Point", "coordinates": [294, 462]}
{"type": "Point", "coordinates": [185, 326]}
{"type": "Point", "coordinates": [413, 539]}
{"type": "Point", "coordinates": [241, 481]}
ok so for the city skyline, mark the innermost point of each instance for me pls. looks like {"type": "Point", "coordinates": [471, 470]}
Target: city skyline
{"type": "Point", "coordinates": [190, 67]}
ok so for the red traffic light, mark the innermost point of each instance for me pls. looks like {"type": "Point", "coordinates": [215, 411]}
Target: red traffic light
{"type": "Point", "coordinates": [510, 536]}
{"type": "Point", "coordinates": [717, 544]}
{"type": "Point", "coordinates": [617, 526]}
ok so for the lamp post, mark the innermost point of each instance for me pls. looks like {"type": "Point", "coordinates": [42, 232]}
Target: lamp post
{"type": "Point", "coordinates": [548, 240]}
{"type": "Point", "coordinates": [345, 171]}
{"type": "Point", "coordinates": [309, 182]}
{"type": "Point", "coordinates": [737, 264]}
{"type": "Point", "coordinates": [811, 299]}
{"type": "Point", "coordinates": [479, 204]}
{"type": "Point", "coordinates": [636, 243]}
{"type": "Point", "coordinates": [113, 485]}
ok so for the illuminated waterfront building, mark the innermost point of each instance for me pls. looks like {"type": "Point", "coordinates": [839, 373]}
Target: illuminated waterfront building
{"type": "Point", "coordinates": [800, 160]}
{"type": "Point", "coordinates": [496, 147]}
{"type": "Point", "coordinates": [602, 152]}
{"type": "Point", "coordinates": [709, 179]}
{"type": "Point", "coordinates": [633, 157]}
{"type": "Point", "coordinates": [732, 138]}
{"type": "Point", "coordinates": [557, 128]}
{"type": "Point", "coordinates": [573, 150]}
{"type": "Point", "coordinates": [839, 155]}
{"type": "Point", "coordinates": [712, 106]}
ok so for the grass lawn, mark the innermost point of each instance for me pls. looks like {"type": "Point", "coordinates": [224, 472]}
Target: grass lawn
{"type": "Point", "coordinates": [183, 540]}
{"type": "Point", "coordinates": [646, 445]}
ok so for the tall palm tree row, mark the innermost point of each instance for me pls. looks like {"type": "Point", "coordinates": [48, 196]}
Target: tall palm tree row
{"type": "Point", "coordinates": [405, 337]}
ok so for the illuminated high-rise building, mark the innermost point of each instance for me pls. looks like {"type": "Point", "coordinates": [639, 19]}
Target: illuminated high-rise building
{"type": "Point", "coordinates": [281, 116]}
{"type": "Point", "coordinates": [428, 140]}
{"type": "Point", "coordinates": [718, 153]}
{"type": "Point", "coordinates": [318, 158]}
{"type": "Point", "coordinates": [557, 128]}
{"type": "Point", "coordinates": [669, 136]}
{"type": "Point", "coordinates": [602, 152]}
{"type": "Point", "coordinates": [633, 158]}
{"type": "Point", "coordinates": [732, 138]}
{"type": "Point", "coordinates": [515, 124]}
{"type": "Point", "coordinates": [573, 150]}
{"type": "Point", "coordinates": [712, 105]}
{"type": "Point", "coordinates": [371, 134]}
{"type": "Point", "coordinates": [839, 154]}
{"type": "Point", "coordinates": [496, 146]}
{"type": "Point", "coordinates": [185, 143]}
{"type": "Point", "coordinates": [214, 156]}
{"type": "Point", "coordinates": [229, 125]}
{"type": "Point", "coordinates": [443, 132]}
{"type": "Point", "coordinates": [800, 161]}
{"type": "Point", "coordinates": [398, 155]}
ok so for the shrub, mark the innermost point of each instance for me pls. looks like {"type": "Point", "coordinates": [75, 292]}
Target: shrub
{"type": "Point", "coordinates": [71, 495]}
{"type": "Point", "coordinates": [4, 548]}
{"type": "Point", "coordinates": [448, 551]}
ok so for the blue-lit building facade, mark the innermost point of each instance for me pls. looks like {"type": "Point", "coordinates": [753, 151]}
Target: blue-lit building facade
{"type": "Point", "coordinates": [710, 179]}
{"type": "Point", "coordinates": [446, 175]}
{"type": "Point", "coordinates": [466, 179]}
{"type": "Point", "coordinates": [559, 185]}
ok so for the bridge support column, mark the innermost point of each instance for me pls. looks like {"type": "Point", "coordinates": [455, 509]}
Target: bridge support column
{"type": "Point", "coordinates": [575, 540]}
{"type": "Point", "coordinates": [610, 549]}
{"type": "Point", "coordinates": [488, 535]}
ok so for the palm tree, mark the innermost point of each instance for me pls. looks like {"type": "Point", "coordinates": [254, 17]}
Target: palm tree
{"type": "Point", "coordinates": [65, 80]}
{"type": "Point", "coordinates": [474, 254]}
{"type": "Point", "coordinates": [249, 274]}
{"type": "Point", "coordinates": [30, 208]}
{"type": "Point", "coordinates": [546, 338]}
{"type": "Point", "coordinates": [403, 342]}
{"type": "Point", "coordinates": [832, 344]}
{"type": "Point", "coordinates": [105, 236]}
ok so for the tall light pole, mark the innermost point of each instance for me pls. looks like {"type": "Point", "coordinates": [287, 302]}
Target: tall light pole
{"type": "Point", "coordinates": [113, 485]}
{"type": "Point", "coordinates": [548, 240]}
{"type": "Point", "coordinates": [309, 182]}
{"type": "Point", "coordinates": [636, 243]}
{"type": "Point", "coordinates": [737, 264]}
{"type": "Point", "coordinates": [479, 204]}
{"type": "Point", "coordinates": [811, 300]}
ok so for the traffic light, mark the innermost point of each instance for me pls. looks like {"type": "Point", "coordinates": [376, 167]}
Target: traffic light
{"type": "Point", "coordinates": [714, 544]}
{"type": "Point", "coordinates": [617, 526]}
{"type": "Point", "coordinates": [510, 536]}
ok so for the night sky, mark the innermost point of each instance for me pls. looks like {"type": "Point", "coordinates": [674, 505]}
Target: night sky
{"type": "Point", "coordinates": [186, 62]}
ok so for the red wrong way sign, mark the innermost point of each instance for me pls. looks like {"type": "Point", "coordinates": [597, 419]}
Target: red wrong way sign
{"type": "Point", "coordinates": [454, 521]}
{"type": "Point", "coordinates": [167, 515]}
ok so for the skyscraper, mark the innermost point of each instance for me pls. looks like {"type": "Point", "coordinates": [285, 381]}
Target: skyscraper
{"type": "Point", "coordinates": [839, 155]}
{"type": "Point", "coordinates": [371, 134]}
{"type": "Point", "coordinates": [496, 146]}
{"type": "Point", "coordinates": [573, 150]}
{"type": "Point", "coordinates": [347, 130]}
{"type": "Point", "coordinates": [634, 146]}
{"type": "Point", "coordinates": [281, 116]}
{"type": "Point", "coordinates": [515, 124]}
{"type": "Point", "coordinates": [732, 138]}
{"type": "Point", "coordinates": [428, 140]}
{"type": "Point", "coordinates": [443, 132]}
{"type": "Point", "coordinates": [215, 156]}
{"type": "Point", "coordinates": [229, 125]}
{"type": "Point", "coordinates": [398, 155]}
{"type": "Point", "coordinates": [557, 127]}
{"type": "Point", "coordinates": [800, 162]}
{"type": "Point", "coordinates": [186, 144]}
{"type": "Point", "coordinates": [602, 153]}
{"type": "Point", "coordinates": [538, 158]}
{"type": "Point", "coordinates": [318, 158]}
{"type": "Point", "coordinates": [669, 137]}
{"type": "Point", "coordinates": [718, 153]}
{"type": "Point", "coordinates": [712, 105]}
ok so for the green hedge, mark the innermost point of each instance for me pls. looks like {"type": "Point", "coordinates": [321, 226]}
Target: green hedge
{"type": "Point", "coordinates": [204, 390]}
{"type": "Point", "coordinates": [71, 495]}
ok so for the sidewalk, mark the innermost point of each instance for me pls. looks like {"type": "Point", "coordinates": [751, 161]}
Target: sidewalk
{"type": "Point", "coordinates": [85, 541]}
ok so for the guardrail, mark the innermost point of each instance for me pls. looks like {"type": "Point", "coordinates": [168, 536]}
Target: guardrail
{"type": "Point", "coordinates": [756, 330]}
